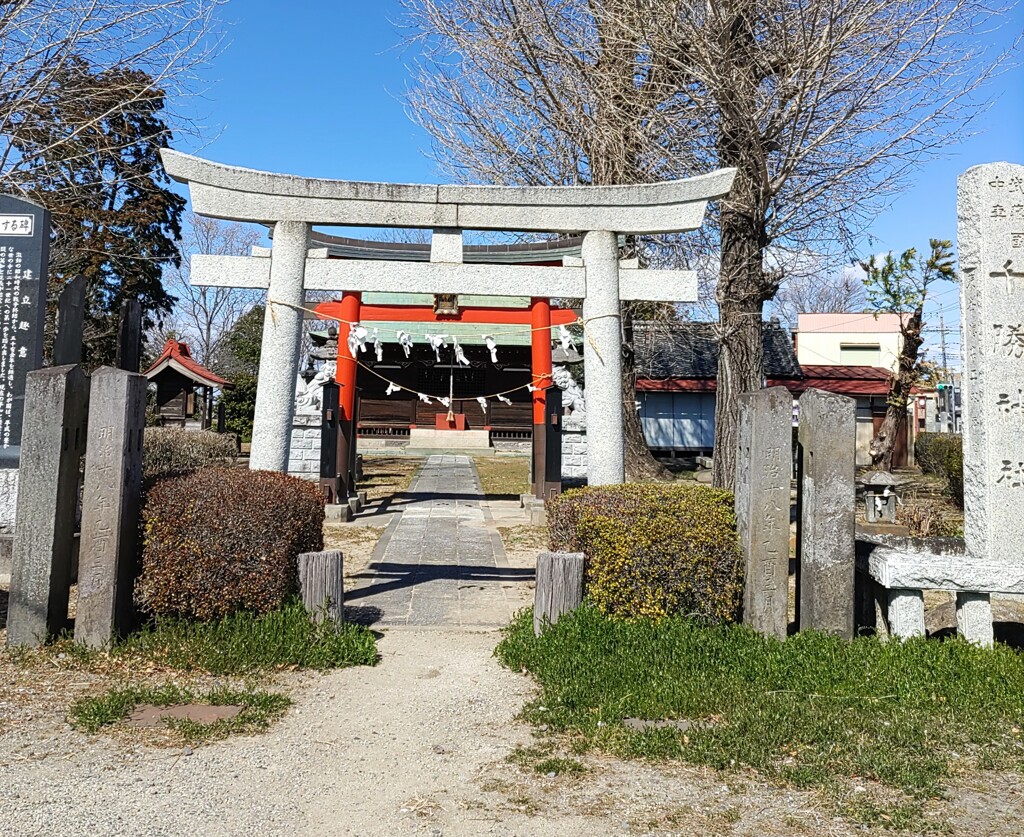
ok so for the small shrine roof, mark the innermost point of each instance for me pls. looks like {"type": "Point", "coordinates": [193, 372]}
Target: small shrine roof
{"type": "Point", "coordinates": [176, 356]}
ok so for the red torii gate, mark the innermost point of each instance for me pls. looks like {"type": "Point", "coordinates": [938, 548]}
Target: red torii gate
{"type": "Point", "coordinates": [540, 316]}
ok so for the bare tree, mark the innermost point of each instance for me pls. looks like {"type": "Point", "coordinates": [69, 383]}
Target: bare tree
{"type": "Point", "coordinates": [42, 41]}
{"type": "Point", "coordinates": [900, 286]}
{"type": "Point", "coordinates": [818, 290]}
{"type": "Point", "coordinates": [824, 107]}
{"type": "Point", "coordinates": [538, 93]}
{"type": "Point", "coordinates": [203, 316]}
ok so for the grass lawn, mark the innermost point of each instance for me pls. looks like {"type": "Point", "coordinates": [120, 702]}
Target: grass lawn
{"type": "Point", "coordinates": [902, 719]}
{"type": "Point", "coordinates": [503, 476]}
{"type": "Point", "coordinates": [226, 662]}
{"type": "Point", "coordinates": [241, 644]}
{"type": "Point", "coordinates": [259, 710]}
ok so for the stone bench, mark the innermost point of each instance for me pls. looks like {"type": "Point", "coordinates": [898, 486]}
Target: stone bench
{"type": "Point", "coordinates": [901, 569]}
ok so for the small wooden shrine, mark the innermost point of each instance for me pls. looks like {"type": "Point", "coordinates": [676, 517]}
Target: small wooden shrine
{"type": "Point", "coordinates": [177, 377]}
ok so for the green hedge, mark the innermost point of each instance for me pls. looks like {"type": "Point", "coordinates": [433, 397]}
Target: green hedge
{"type": "Point", "coordinates": [224, 540]}
{"type": "Point", "coordinates": [653, 550]}
{"type": "Point", "coordinates": [942, 454]}
{"type": "Point", "coordinates": [174, 451]}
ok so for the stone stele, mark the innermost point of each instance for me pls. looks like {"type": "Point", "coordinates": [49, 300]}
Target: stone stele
{"type": "Point", "coordinates": [763, 468]}
{"type": "Point", "coordinates": [990, 206]}
{"type": "Point", "coordinates": [827, 513]}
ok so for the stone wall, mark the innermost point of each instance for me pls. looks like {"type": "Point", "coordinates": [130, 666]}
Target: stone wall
{"type": "Point", "coordinates": [574, 447]}
{"type": "Point", "coordinates": [304, 449]}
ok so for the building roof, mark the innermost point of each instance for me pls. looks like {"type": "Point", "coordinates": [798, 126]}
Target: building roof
{"type": "Point", "coordinates": [176, 356]}
{"type": "Point", "coordinates": [689, 350]}
{"type": "Point", "coordinates": [858, 323]}
{"type": "Point", "coordinates": [845, 380]}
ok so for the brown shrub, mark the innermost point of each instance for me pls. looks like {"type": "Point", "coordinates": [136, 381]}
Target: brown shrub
{"type": "Point", "coordinates": [219, 540]}
{"type": "Point", "coordinates": [174, 451]}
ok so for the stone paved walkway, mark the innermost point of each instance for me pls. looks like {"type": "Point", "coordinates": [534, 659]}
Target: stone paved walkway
{"type": "Point", "coordinates": [437, 563]}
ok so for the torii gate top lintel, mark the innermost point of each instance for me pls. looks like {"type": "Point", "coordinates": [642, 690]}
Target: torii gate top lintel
{"type": "Point", "coordinates": [294, 204]}
{"type": "Point", "coordinates": [239, 194]}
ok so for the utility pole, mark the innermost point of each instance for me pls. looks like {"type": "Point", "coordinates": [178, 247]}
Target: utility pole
{"type": "Point", "coordinates": [947, 402]}
{"type": "Point", "coordinates": [942, 337]}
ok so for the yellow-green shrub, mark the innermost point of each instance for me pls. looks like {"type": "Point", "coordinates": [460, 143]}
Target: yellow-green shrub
{"type": "Point", "coordinates": [224, 540]}
{"type": "Point", "coordinates": [653, 550]}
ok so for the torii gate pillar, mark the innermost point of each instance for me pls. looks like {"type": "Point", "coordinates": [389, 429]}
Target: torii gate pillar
{"type": "Point", "coordinates": [602, 360]}
{"type": "Point", "coordinates": [282, 340]}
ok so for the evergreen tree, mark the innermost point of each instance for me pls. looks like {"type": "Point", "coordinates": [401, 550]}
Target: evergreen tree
{"type": "Point", "coordinates": [97, 169]}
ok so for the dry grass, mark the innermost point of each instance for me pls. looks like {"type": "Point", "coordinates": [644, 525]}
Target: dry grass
{"type": "Point", "coordinates": [503, 476]}
{"type": "Point", "coordinates": [385, 476]}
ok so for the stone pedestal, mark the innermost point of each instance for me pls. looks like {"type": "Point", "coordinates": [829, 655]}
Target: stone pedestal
{"type": "Point", "coordinates": [282, 338]}
{"type": "Point", "coordinates": [574, 446]}
{"type": "Point", "coordinates": [974, 618]}
{"type": "Point", "coordinates": [52, 444]}
{"type": "Point", "coordinates": [603, 359]}
{"type": "Point", "coordinates": [826, 513]}
{"type": "Point", "coordinates": [109, 553]}
{"type": "Point", "coordinates": [763, 468]}
{"type": "Point", "coordinates": [906, 613]}
{"type": "Point", "coordinates": [304, 446]}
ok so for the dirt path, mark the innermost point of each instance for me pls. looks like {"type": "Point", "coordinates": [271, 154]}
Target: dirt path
{"type": "Point", "coordinates": [418, 745]}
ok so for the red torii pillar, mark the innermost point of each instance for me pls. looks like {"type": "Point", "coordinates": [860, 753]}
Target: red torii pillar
{"type": "Point", "coordinates": [540, 352]}
{"type": "Point", "coordinates": [340, 483]}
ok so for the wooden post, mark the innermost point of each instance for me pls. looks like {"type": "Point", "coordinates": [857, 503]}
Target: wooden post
{"type": "Point", "coordinates": [331, 479]}
{"type": "Point", "coordinates": [321, 584]}
{"type": "Point", "coordinates": [559, 587]}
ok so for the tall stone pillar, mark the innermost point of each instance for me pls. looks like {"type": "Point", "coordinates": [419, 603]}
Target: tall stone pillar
{"type": "Point", "coordinates": [282, 340]}
{"type": "Point", "coordinates": [990, 241]}
{"type": "Point", "coordinates": [52, 444]}
{"type": "Point", "coordinates": [108, 556]}
{"type": "Point", "coordinates": [602, 359]}
{"type": "Point", "coordinates": [764, 464]}
{"type": "Point", "coordinates": [826, 521]}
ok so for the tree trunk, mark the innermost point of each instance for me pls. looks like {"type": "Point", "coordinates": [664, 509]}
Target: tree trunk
{"type": "Point", "coordinates": [743, 287]}
{"type": "Point", "coordinates": [641, 466]}
{"type": "Point", "coordinates": [900, 389]}
{"type": "Point", "coordinates": [884, 443]}
{"type": "Point", "coordinates": [740, 369]}
{"type": "Point", "coordinates": [743, 284]}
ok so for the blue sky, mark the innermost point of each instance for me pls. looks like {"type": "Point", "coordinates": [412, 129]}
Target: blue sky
{"type": "Point", "coordinates": [314, 88]}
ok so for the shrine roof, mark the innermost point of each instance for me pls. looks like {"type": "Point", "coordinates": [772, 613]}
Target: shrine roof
{"type": "Point", "coordinates": [178, 357]}
{"type": "Point", "coordinates": [541, 252]}
{"type": "Point", "coordinates": [846, 380]}
{"type": "Point", "coordinates": [689, 350]}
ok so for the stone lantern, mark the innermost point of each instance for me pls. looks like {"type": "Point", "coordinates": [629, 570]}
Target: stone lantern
{"type": "Point", "coordinates": [880, 497]}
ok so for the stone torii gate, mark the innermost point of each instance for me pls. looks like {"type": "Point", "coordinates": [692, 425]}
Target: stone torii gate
{"type": "Point", "coordinates": [294, 204]}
